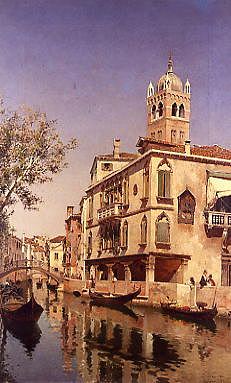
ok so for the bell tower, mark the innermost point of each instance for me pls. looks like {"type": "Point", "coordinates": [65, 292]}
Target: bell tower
{"type": "Point", "coordinates": [168, 108]}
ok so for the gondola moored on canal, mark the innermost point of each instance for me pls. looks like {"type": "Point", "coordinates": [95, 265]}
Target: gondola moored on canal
{"type": "Point", "coordinates": [189, 313]}
{"type": "Point", "coordinates": [27, 313]}
{"type": "Point", "coordinates": [113, 299]}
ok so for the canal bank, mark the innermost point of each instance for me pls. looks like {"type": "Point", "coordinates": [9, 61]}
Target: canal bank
{"type": "Point", "coordinates": [152, 293]}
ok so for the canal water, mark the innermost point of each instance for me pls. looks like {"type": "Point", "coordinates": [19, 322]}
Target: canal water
{"type": "Point", "coordinates": [77, 342]}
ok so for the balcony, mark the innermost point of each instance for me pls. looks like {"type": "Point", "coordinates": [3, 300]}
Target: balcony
{"type": "Point", "coordinates": [111, 211]}
{"type": "Point", "coordinates": [216, 222]}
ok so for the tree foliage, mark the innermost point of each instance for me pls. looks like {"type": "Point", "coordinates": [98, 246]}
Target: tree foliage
{"type": "Point", "coordinates": [31, 152]}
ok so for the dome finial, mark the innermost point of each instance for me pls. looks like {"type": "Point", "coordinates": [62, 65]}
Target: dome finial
{"type": "Point", "coordinates": [170, 63]}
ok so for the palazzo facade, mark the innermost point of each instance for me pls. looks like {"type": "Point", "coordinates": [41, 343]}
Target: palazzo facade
{"type": "Point", "coordinates": [164, 213]}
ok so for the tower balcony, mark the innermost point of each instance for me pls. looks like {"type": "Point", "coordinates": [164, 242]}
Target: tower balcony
{"type": "Point", "coordinates": [216, 222]}
{"type": "Point", "coordinates": [113, 210]}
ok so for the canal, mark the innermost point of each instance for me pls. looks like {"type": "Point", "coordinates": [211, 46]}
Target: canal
{"type": "Point", "coordinates": [77, 342]}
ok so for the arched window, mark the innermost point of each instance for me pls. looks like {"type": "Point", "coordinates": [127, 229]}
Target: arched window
{"type": "Point", "coordinates": [89, 244]}
{"type": "Point", "coordinates": [186, 207]}
{"type": "Point", "coordinates": [160, 109]}
{"type": "Point", "coordinates": [159, 135]}
{"type": "Point", "coordinates": [154, 112]}
{"type": "Point", "coordinates": [173, 136]}
{"type": "Point", "coordinates": [174, 109]}
{"type": "Point", "coordinates": [181, 111]}
{"type": "Point", "coordinates": [90, 206]}
{"type": "Point", "coordinates": [143, 230]}
{"type": "Point", "coordinates": [162, 230]}
{"type": "Point", "coordinates": [125, 234]}
{"type": "Point", "coordinates": [164, 176]}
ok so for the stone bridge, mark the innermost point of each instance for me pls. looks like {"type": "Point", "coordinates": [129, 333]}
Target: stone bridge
{"type": "Point", "coordinates": [30, 266]}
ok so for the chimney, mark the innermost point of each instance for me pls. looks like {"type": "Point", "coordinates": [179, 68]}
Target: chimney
{"type": "Point", "coordinates": [187, 147]}
{"type": "Point", "coordinates": [116, 148]}
{"type": "Point", "coordinates": [70, 210]}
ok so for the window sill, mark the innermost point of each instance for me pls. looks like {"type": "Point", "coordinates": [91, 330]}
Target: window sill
{"type": "Point", "coordinates": [165, 200]}
{"type": "Point", "coordinates": [163, 245]}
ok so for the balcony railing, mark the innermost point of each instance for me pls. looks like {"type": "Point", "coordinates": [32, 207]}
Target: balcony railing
{"type": "Point", "coordinates": [113, 210]}
{"type": "Point", "coordinates": [218, 219]}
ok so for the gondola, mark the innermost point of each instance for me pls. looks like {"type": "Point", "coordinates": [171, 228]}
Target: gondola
{"type": "Point", "coordinates": [27, 313]}
{"type": "Point", "coordinates": [192, 314]}
{"type": "Point", "coordinates": [113, 300]}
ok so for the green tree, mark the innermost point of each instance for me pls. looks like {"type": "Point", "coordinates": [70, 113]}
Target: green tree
{"type": "Point", "coordinates": [31, 152]}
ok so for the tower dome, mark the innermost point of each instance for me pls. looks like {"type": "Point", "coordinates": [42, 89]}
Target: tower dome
{"type": "Point", "coordinates": [170, 80]}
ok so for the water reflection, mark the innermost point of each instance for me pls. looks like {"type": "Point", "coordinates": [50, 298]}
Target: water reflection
{"type": "Point", "coordinates": [97, 344]}
{"type": "Point", "coordinates": [29, 336]}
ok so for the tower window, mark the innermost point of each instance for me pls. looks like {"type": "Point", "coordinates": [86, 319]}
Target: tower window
{"type": "Point", "coordinates": [174, 109]}
{"type": "Point", "coordinates": [181, 111]}
{"type": "Point", "coordinates": [160, 109]}
{"type": "Point", "coordinates": [173, 136]}
{"type": "Point", "coordinates": [181, 136]}
{"type": "Point", "coordinates": [154, 111]}
{"type": "Point", "coordinates": [159, 135]}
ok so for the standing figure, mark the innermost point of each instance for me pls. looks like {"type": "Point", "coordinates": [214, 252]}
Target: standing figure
{"type": "Point", "coordinates": [203, 281]}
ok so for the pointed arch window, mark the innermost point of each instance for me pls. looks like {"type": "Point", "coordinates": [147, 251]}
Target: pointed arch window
{"type": "Point", "coordinates": [143, 230]}
{"type": "Point", "coordinates": [181, 111]}
{"type": "Point", "coordinates": [160, 109]}
{"type": "Point", "coordinates": [154, 112]}
{"type": "Point", "coordinates": [174, 109]}
{"type": "Point", "coordinates": [125, 234]}
{"type": "Point", "coordinates": [164, 178]}
{"type": "Point", "coordinates": [162, 231]}
{"type": "Point", "coordinates": [186, 208]}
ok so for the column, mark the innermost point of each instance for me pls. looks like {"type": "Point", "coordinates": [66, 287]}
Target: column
{"type": "Point", "coordinates": [110, 273]}
{"type": "Point", "coordinates": [150, 273]}
{"type": "Point", "coordinates": [128, 276]}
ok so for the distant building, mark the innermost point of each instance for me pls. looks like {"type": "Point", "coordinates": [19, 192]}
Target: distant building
{"type": "Point", "coordinates": [73, 264]}
{"type": "Point", "coordinates": [56, 247]}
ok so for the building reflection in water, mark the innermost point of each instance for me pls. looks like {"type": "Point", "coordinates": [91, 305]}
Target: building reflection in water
{"type": "Point", "coordinates": [108, 347]}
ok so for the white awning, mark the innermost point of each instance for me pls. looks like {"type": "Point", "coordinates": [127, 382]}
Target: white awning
{"type": "Point", "coordinates": [217, 188]}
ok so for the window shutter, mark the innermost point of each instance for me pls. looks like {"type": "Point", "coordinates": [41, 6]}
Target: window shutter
{"type": "Point", "coordinates": [160, 183]}
{"type": "Point", "coordinates": [167, 184]}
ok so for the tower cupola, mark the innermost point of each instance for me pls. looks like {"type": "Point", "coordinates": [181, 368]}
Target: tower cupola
{"type": "Point", "coordinates": [168, 107]}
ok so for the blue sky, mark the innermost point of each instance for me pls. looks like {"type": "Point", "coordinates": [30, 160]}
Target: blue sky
{"type": "Point", "coordinates": [88, 63]}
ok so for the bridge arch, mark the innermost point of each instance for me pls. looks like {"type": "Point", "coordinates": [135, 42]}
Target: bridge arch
{"type": "Point", "coordinates": [5, 273]}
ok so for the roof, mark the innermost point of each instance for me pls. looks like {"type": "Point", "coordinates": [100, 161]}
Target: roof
{"type": "Point", "coordinates": [124, 156]}
{"type": "Point", "coordinates": [57, 239]}
{"type": "Point", "coordinates": [213, 151]}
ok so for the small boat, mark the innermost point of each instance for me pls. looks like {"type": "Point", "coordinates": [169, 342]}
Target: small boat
{"type": "Point", "coordinates": [112, 299]}
{"type": "Point", "coordinates": [27, 313]}
{"type": "Point", "coordinates": [186, 312]}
